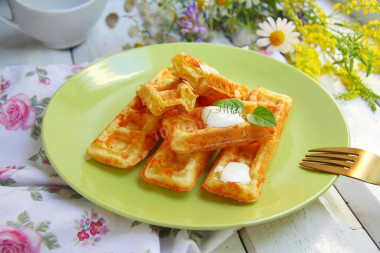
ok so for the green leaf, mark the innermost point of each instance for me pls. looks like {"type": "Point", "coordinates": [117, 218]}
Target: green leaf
{"type": "Point", "coordinates": [36, 196]}
{"type": "Point", "coordinates": [234, 104]}
{"type": "Point", "coordinates": [39, 120]}
{"type": "Point", "coordinates": [29, 225]}
{"type": "Point", "coordinates": [12, 223]}
{"type": "Point", "coordinates": [369, 70]}
{"type": "Point", "coordinates": [262, 116]}
{"type": "Point", "coordinates": [371, 58]}
{"type": "Point", "coordinates": [42, 153]}
{"type": "Point", "coordinates": [35, 132]}
{"type": "Point", "coordinates": [42, 72]}
{"type": "Point", "coordinates": [42, 226]}
{"type": "Point", "coordinates": [50, 241]}
{"type": "Point", "coordinates": [6, 182]}
{"type": "Point", "coordinates": [33, 188]}
{"type": "Point", "coordinates": [44, 102]}
{"type": "Point", "coordinates": [135, 223]}
{"type": "Point", "coordinates": [31, 73]}
{"type": "Point", "coordinates": [76, 196]}
{"type": "Point", "coordinates": [34, 101]}
{"type": "Point", "coordinates": [3, 98]}
{"type": "Point", "coordinates": [39, 110]}
{"type": "Point", "coordinates": [23, 218]}
{"type": "Point", "coordinates": [33, 158]}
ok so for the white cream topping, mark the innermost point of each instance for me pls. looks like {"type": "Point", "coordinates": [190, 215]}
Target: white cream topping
{"type": "Point", "coordinates": [215, 116]}
{"type": "Point", "coordinates": [234, 172]}
{"type": "Point", "coordinates": [208, 69]}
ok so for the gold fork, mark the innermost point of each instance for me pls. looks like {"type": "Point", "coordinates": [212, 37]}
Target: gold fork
{"type": "Point", "coordinates": [351, 162]}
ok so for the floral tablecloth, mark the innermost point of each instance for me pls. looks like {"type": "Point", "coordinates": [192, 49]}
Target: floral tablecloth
{"type": "Point", "coordinates": [41, 213]}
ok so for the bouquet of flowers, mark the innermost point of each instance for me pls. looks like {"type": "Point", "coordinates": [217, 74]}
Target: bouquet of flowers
{"type": "Point", "coordinates": [308, 38]}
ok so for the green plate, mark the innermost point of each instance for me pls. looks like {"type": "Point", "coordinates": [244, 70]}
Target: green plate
{"type": "Point", "coordinates": [88, 101]}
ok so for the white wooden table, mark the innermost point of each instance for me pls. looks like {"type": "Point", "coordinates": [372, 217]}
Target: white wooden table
{"type": "Point", "coordinates": [345, 219]}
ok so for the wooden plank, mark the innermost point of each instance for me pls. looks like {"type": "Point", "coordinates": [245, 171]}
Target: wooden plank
{"type": "Point", "coordinates": [326, 225]}
{"type": "Point", "coordinates": [232, 244]}
{"type": "Point", "coordinates": [364, 201]}
{"type": "Point", "coordinates": [19, 49]}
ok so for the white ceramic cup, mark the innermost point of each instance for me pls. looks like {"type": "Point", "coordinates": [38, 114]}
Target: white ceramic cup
{"type": "Point", "coordinates": [58, 24]}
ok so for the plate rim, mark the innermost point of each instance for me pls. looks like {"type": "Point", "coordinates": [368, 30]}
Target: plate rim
{"type": "Point", "coordinates": [191, 226]}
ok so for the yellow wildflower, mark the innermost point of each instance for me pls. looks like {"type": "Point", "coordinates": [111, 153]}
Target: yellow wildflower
{"type": "Point", "coordinates": [328, 68]}
{"type": "Point", "coordinates": [306, 58]}
{"type": "Point", "coordinates": [337, 6]}
{"type": "Point", "coordinates": [347, 6]}
{"type": "Point", "coordinates": [318, 35]}
{"type": "Point", "coordinates": [321, 15]}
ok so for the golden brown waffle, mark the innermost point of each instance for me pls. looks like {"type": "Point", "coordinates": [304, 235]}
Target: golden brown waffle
{"type": "Point", "coordinates": [128, 138]}
{"type": "Point", "coordinates": [178, 172]}
{"type": "Point", "coordinates": [165, 92]}
{"type": "Point", "coordinates": [186, 132]}
{"type": "Point", "coordinates": [256, 155]}
{"type": "Point", "coordinates": [206, 81]}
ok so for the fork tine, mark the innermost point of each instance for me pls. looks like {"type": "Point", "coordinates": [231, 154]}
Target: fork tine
{"type": "Point", "coordinates": [342, 150]}
{"type": "Point", "coordinates": [335, 156]}
{"type": "Point", "coordinates": [325, 168]}
{"type": "Point", "coordinates": [351, 162]}
{"type": "Point", "coordinates": [330, 161]}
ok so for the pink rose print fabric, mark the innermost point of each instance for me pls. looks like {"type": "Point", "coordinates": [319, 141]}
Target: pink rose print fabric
{"type": "Point", "coordinates": [7, 172]}
{"type": "Point", "coordinates": [14, 239]}
{"type": "Point", "coordinates": [23, 236]}
{"type": "Point", "coordinates": [4, 84]}
{"type": "Point", "coordinates": [17, 112]}
{"type": "Point", "coordinates": [39, 212]}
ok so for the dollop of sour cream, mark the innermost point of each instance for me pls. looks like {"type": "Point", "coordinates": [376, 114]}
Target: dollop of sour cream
{"type": "Point", "coordinates": [215, 116]}
{"type": "Point", "coordinates": [234, 172]}
{"type": "Point", "coordinates": [208, 69]}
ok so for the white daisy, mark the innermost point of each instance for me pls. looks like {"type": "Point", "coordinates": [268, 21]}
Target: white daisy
{"type": "Point", "coordinates": [277, 36]}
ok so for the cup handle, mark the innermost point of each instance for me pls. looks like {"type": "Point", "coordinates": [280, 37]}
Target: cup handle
{"type": "Point", "coordinates": [10, 22]}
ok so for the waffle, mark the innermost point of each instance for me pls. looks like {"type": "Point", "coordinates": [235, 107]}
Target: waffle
{"type": "Point", "coordinates": [205, 80]}
{"type": "Point", "coordinates": [186, 132]}
{"type": "Point", "coordinates": [256, 155]}
{"type": "Point", "coordinates": [165, 92]}
{"type": "Point", "coordinates": [128, 138]}
{"type": "Point", "coordinates": [178, 172]}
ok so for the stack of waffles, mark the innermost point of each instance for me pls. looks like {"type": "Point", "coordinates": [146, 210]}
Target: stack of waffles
{"type": "Point", "coordinates": [167, 112]}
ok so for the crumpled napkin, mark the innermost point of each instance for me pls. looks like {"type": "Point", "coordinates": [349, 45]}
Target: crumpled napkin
{"type": "Point", "coordinates": [39, 212]}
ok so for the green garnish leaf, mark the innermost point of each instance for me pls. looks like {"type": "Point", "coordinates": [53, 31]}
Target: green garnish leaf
{"type": "Point", "coordinates": [262, 116]}
{"type": "Point", "coordinates": [234, 104]}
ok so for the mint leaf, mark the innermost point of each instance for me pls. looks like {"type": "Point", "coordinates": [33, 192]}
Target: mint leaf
{"type": "Point", "coordinates": [234, 104]}
{"type": "Point", "coordinates": [262, 116]}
